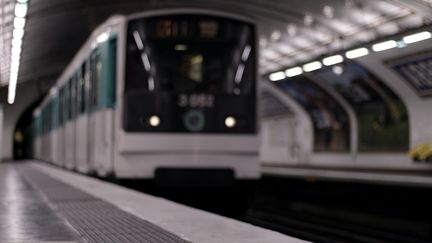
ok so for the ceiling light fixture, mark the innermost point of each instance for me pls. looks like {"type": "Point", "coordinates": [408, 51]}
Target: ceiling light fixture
{"type": "Point", "coordinates": [291, 72]}
{"type": "Point", "coordinates": [386, 45]}
{"type": "Point", "coordinates": [308, 19]}
{"type": "Point", "coordinates": [277, 76]}
{"type": "Point", "coordinates": [332, 60]}
{"type": "Point", "coordinates": [417, 37]}
{"type": "Point", "coordinates": [338, 69]}
{"type": "Point", "coordinates": [275, 35]}
{"type": "Point", "coordinates": [328, 11]}
{"type": "Point", "coordinates": [312, 66]}
{"type": "Point", "coordinates": [292, 30]}
{"type": "Point", "coordinates": [16, 49]}
{"type": "Point", "coordinates": [359, 52]}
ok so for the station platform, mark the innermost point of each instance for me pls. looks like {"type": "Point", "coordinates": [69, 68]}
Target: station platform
{"type": "Point", "coordinates": [43, 203]}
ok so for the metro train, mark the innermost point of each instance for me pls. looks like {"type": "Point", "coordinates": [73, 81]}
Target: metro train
{"type": "Point", "coordinates": [169, 94]}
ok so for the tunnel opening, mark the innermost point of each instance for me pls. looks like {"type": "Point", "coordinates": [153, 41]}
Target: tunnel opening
{"type": "Point", "coordinates": [23, 134]}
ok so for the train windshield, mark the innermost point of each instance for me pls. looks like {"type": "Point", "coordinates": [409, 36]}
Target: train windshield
{"type": "Point", "coordinates": [190, 54]}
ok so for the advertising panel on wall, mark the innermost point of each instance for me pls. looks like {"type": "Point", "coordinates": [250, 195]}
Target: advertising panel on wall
{"type": "Point", "coordinates": [416, 70]}
{"type": "Point", "coordinates": [330, 120]}
{"type": "Point", "coordinates": [382, 116]}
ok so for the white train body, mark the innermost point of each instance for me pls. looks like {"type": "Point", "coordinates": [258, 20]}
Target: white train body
{"type": "Point", "coordinates": [93, 136]}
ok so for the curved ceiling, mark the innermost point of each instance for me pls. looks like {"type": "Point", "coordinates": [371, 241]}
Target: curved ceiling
{"type": "Point", "coordinates": [290, 31]}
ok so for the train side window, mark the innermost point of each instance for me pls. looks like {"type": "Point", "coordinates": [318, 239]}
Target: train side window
{"type": "Point", "coordinates": [112, 77]}
{"type": "Point", "coordinates": [67, 102]}
{"type": "Point", "coordinates": [44, 122]}
{"type": "Point", "coordinates": [92, 83]}
{"type": "Point", "coordinates": [87, 86]}
{"type": "Point", "coordinates": [81, 89]}
{"type": "Point", "coordinates": [61, 107]}
{"type": "Point", "coordinates": [49, 117]}
{"type": "Point", "coordinates": [79, 81]}
{"type": "Point", "coordinates": [96, 77]}
{"type": "Point", "coordinates": [47, 120]}
{"type": "Point", "coordinates": [64, 111]}
{"type": "Point", "coordinates": [55, 112]}
{"type": "Point", "coordinates": [70, 99]}
{"type": "Point", "coordinates": [42, 117]}
{"type": "Point", "coordinates": [58, 110]}
{"type": "Point", "coordinates": [52, 113]}
{"type": "Point", "coordinates": [73, 97]}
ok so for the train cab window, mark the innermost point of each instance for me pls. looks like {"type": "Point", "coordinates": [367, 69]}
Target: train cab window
{"type": "Point", "coordinates": [187, 54]}
{"type": "Point", "coordinates": [201, 67]}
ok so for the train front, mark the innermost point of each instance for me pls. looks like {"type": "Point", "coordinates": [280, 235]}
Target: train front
{"type": "Point", "coordinates": [189, 101]}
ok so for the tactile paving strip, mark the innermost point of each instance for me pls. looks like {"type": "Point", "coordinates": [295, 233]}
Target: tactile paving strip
{"type": "Point", "coordinates": [94, 219]}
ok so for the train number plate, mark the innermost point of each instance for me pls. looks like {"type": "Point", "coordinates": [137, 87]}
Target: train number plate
{"type": "Point", "coordinates": [196, 100]}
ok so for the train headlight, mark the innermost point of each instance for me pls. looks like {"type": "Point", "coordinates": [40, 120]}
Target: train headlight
{"type": "Point", "coordinates": [230, 122]}
{"type": "Point", "coordinates": [154, 121]}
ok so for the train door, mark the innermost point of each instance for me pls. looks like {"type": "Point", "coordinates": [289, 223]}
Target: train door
{"type": "Point", "coordinates": [89, 158]}
{"type": "Point", "coordinates": [101, 142]}
{"type": "Point", "coordinates": [71, 125]}
{"type": "Point", "coordinates": [94, 129]}
{"type": "Point", "coordinates": [82, 122]}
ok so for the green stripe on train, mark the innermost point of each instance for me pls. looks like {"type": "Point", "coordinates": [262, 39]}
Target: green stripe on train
{"type": "Point", "coordinates": [108, 55]}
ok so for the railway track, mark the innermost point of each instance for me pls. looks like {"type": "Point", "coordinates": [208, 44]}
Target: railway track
{"type": "Point", "coordinates": [333, 212]}
{"type": "Point", "coordinates": [324, 230]}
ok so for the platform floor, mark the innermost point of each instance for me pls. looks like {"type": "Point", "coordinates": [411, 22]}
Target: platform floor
{"type": "Point", "coordinates": [43, 203]}
{"type": "Point", "coordinates": [25, 214]}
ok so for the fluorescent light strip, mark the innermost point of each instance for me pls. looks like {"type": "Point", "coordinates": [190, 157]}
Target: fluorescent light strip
{"type": "Point", "coordinates": [146, 62]}
{"type": "Point", "coordinates": [295, 71]}
{"type": "Point", "coordinates": [16, 43]}
{"type": "Point", "coordinates": [239, 73]}
{"type": "Point", "coordinates": [20, 10]}
{"type": "Point", "coordinates": [417, 37]}
{"type": "Point", "coordinates": [246, 52]}
{"type": "Point", "coordinates": [312, 66]}
{"type": "Point", "coordinates": [332, 60]}
{"type": "Point", "coordinates": [277, 76]}
{"type": "Point", "coordinates": [138, 40]}
{"type": "Point", "coordinates": [384, 46]}
{"type": "Point", "coordinates": [18, 33]}
{"type": "Point", "coordinates": [19, 23]}
{"type": "Point", "coordinates": [357, 53]}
